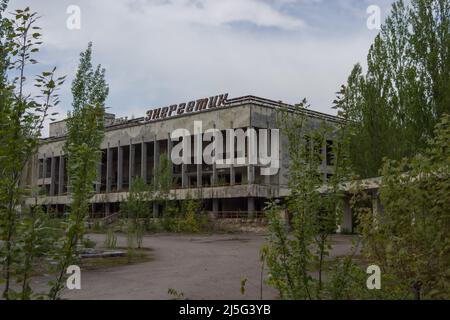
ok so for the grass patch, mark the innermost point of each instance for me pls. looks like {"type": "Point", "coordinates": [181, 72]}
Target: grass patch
{"type": "Point", "coordinates": [136, 256]}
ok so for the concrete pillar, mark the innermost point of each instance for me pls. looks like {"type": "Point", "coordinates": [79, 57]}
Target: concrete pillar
{"type": "Point", "coordinates": [199, 175]}
{"type": "Point", "coordinates": [44, 168]}
{"type": "Point", "coordinates": [214, 175]}
{"type": "Point", "coordinates": [119, 167]}
{"type": "Point", "coordinates": [376, 209]}
{"type": "Point", "coordinates": [33, 171]}
{"type": "Point", "coordinates": [52, 175]}
{"type": "Point", "coordinates": [155, 157]}
{"type": "Point", "coordinates": [131, 163]}
{"type": "Point", "coordinates": [232, 176]}
{"type": "Point", "coordinates": [324, 161]}
{"type": "Point", "coordinates": [61, 175]}
{"type": "Point", "coordinates": [214, 166]}
{"type": "Point", "coordinates": [199, 166]}
{"type": "Point", "coordinates": [107, 209]}
{"type": "Point", "coordinates": [347, 223]}
{"type": "Point", "coordinates": [269, 148]}
{"type": "Point", "coordinates": [99, 176]}
{"type": "Point", "coordinates": [170, 164]}
{"type": "Point", "coordinates": [232, 145]}
{"type": "Point", "coordinates": [108, 169]}
{"type": "Point", "coordinates": [251, 174]}
{"type": "Point", "coordinates": [251, 207]}
{"type": "Point", "coordinates": [44, 173]}
{"type": "Point", "coordinates": [250, 167]}
{"type": "Point", "coordinates": [215, 207]}
{"type": "Point", "coordinates": [184, 177]}
{"type": "Point", "coordinates": [144, 161]}
{"type": "Point", "coordinates": [155, 210]}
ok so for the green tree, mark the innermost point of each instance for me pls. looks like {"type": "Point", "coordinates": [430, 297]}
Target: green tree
{"type": "Point", "coordinates": [409, 239]}
{"type": "Point", "coordinates": [395, 105]}
{"type": "Point", "coordinates": [192, 219]}
{"type": "Point", "coordinates": [21, 119]}
{"type": "Point", "coordinates": [85, 132]}
{"type": "Point", "coordinates": [293, 256]}
{"type": "Point", "coordinates": [136, 209]}
{"type": "Point", "coordinates": [162, 195]}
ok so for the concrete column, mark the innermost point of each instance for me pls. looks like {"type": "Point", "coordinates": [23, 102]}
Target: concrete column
{"type": "Point", "coordinates": [251, 207]}
{"type": "Point", "coordinates": [250, 167]}
{"type": "Point", "coordinates": [232, 143]}
{"type": "Point", "coordinates": [61, 175]}
{"type": "Point", "coordinates": [199, 175]}
{"type": "Point", "coordinates": [184, 177]}
{"type": "Point", "coordinates": [131, 163]}
{"type": "Point", "coordinates": [155, 157]}
{"type": "Point", "coordinates": [232, 176]}
{"type": "Point", "coordinates": [214, 175]}
{"type": "Point", "coordinates": [169, 151]}
{"type": "Point", "coordinates": [214, 167]}
{"type": "Point", "coordinates": [44, 168]}
{"type": "Point", "coordinates": [44, 174]}
{"type": "Point", "coordinates": [107, 209]}
{"type": "Point", "coordinates": [33, 171]}
{"type": "Point", "coordinates": [99, 176]}
{"type": "Point", "coordinates": [108, 169]}
{"type": "Point", "coordinates": [269, 148]}
{"type": "Point", "coordinates": [324, 161]}
{"type": "Point", "coordinates": [155, 210]}
{"type": "Point", "coordinates": [119, 167]}
{"type": "Point", "coordinates": [347, 224]}
{"type": "Point", "coordinates": [215, 205]}
{"type": "Point", "coordinates": [52, 175]}
{"type": "Point", "coordinates": [251, 174]}
{"type": "Point", "coordinates": [199, 166]}
{"type": "Point", "coordinates": [144, 161]}
{"type": "Point", "coordinates": [376, 209]}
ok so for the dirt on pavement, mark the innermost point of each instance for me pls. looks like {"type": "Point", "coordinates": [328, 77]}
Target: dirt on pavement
{"type": "Point", "coordinates": [199, 266]}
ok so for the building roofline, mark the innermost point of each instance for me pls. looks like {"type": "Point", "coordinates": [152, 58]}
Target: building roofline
{"type": "Point", "coordinates": [230, 103]}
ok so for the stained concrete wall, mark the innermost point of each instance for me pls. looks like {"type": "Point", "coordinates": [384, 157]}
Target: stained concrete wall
{"type": "Point", "coordinates": [244, 115]}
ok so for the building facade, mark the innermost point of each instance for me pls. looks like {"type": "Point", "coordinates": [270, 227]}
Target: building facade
{"type": "Point", "coordinates": [132, 148]}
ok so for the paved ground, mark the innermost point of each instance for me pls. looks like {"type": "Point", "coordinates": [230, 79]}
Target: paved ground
{"type": "Point", "coordinates": [202, 267]}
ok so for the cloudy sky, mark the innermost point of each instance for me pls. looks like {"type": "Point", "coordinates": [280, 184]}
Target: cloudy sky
{"type": "Point", "coordinates": [160, 52]}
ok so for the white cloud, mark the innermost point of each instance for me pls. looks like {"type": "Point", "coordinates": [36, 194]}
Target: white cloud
{"type": "Point", "coordinates": [159, 52]}
{"type": "Point", "coordinates": [216, 13]}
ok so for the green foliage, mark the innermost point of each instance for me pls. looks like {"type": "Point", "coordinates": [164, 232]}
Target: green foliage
{"type": "Point", "coordinates": [193, 219]}
{"type": "Point", "coordinates": [175, 294]}
{"type": "Point", "coordinates": [243, 284]}
{"type": "Point", "coordinates": [409, 240]}
{"type": "Point", "coordinates": [136, 206]}
{"type": "Point", "coordinates": [111, 239]}
{"type": "Point", "coordinates": [348, 282]}
{"type": "Point", "coordinates": [88, 243]}
{"type": "Point", "coordinates": [394, 106]}
{"type": "Point", "coordinates": [174, 218]}
{"type": "Point", "coordinates": [85, 131]}
{"type": "Point", "coordinates": [35, 238]}
{"type": "Point", "coordinates": [136, 209]}
{"type": "Point", "coordinates": [97, 226]}
{"type": "Point", "coordinates": [291, 257]}
{"type": "Point", "coordinates": [21, 119]}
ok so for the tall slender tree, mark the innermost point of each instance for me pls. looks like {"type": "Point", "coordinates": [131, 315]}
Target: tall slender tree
{"type": "Point", "coordinates": [396, 104]}
{"type": "Point", "coordinates": [21, 119]}
{"type": "Point", "coordinates": [85, 133]}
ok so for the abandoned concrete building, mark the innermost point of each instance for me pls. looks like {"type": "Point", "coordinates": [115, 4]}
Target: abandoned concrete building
{"type": "Point", "coordinates": [132, 147]}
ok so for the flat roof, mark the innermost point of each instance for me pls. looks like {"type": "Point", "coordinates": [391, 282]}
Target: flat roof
{"type": "Point", "coordinates": [233, 102]}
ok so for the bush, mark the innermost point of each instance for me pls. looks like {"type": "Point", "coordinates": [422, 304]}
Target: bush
{"type": "Point", "coordinates": [111, 239]}
{"type": "Point", "coordinates": [88, 243]}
